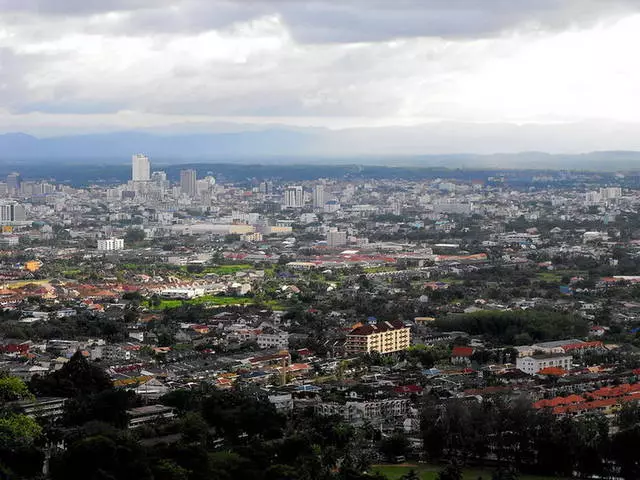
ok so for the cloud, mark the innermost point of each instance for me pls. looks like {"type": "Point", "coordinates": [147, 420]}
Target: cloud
{"type": "Point", "coordinates": [149, 63]}
{"type": "Point", "coordinates": [333, 21]}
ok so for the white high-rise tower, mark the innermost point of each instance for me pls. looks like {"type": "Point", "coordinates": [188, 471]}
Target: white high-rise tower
{"type": "Point", "coordinates": [294, 197]}
{"type": "Point", "coordinates": [140, 168]}
{"type": "Point", "coordinates": [318, 196]}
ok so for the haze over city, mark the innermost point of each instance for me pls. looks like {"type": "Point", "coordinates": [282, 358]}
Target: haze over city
{"type": "Point", "coordinates": [434, 76]}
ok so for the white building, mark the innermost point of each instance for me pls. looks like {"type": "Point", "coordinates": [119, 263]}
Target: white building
{"type": "Point", "coordinates": [109, 244]}
{"type": "Point", "coordinates": [359, 412]}
{"type": "Point", "coordinates": [532, 364]}
{"type": "Point", "coordinates": [610, 193]}
{"type": "Point", "coordinates": [336, 238]}
{"type": "Point", "coordinates": [140, 168]}
{"type": "Point", "coordinates": [12, 212]}
{"type": "Point", "coordinates": [282, 403]}
{"type": "Point", "coordinates": [294, 197]}
{"type": "Point", "coordinates": [273, 340]}
{"type": "Point", "coordinates": [318, 196]}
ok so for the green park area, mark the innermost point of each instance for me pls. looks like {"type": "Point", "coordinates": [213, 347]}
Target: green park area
{"type": "Point", "coordinates": [163, 304]}
{"type": "Point", "coordinates": [209, 300]}
{"type": "Point", "coordinates": [430, 472]}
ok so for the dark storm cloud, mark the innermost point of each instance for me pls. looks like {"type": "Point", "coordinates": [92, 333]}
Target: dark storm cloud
{"type": "Point", "coordinates": [340, 21]}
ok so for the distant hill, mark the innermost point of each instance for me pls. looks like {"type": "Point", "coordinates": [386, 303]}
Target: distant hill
{"type": "Point", "coordinates": [18, 146]}
{"type": "Point", "coordinates": [419, 146]}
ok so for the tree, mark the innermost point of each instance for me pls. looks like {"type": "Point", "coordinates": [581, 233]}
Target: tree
{"type": "Point", "coordinates": [504, 474]}
{"type": "Point", "coordinates": [395, 445]}
{"type": "Point", "coordinates": [410, 475]}
{"type": "Point", "coordinates": [16, 429]}
{"type": "Point", "coordinates": [234, 413]}
{"type": "Point", "coordinates": [102, 457]}
{"type": "Point", "coordinates": [134, 235]}
{"type": "Point", "coordinates": [450, 472]}
{"type": "Point", "coordinates": [167, 469]}
{"type": "Point", "coordinates": [108, 406]}
{"type": "Point", "coordinates": [13, 388]}
{"type": "Point", "coordinates": [76, 377]}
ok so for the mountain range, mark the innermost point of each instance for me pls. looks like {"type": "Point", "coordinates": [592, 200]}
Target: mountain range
{"type": "Point", "coordinates": [424, 145]}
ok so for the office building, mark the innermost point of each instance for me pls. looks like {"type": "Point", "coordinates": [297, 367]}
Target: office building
{"type": "Point", "coordinates": [109, 244]}
{"type": "Point", "coordinates": [294, 197]}
{"type": "Point", "coordinates": [336, 238]}
{"type": "Point", "coordinates": [188, 183]}
{"type": "Point", "coordinates": [384, 337]}
{"type": "Point", "coordinates": [318, 196]}
{"type": "Point", "coordinates": [12, 212]}
{"type": "Point", "coordinates": [140, 168]}
{"type": "Point", "coordinates": [13, 183]}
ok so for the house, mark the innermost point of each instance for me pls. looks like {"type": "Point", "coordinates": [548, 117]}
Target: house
{"type": "Point", "coordinates": [533, 364]}
{"type": "Point", "coordinates": [461, 355]}
{"type": "Point", "coordinates": [597, 331]}
{"type": "Point", "coordinates": [282, 402]}
{"type": "Point", "coordinates": [151, 388]}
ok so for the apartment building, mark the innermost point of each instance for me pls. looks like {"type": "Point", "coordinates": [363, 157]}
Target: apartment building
{"type": "Point", "coordinates": [383, 337]}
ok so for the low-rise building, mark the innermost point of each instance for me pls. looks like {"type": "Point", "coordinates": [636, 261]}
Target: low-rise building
{"type": "Point", "coordinates": [50, 408]}
{"type": "Point", "coordinates": [375, 411]}
{"type": "Point", "coordinates": [273, 340]}
{"type": "Point", "coordinates": [149, 414]}
{"type": "Point", "coordinates": [532, 364]}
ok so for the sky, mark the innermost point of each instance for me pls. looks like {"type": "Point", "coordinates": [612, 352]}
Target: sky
{"type": "Point", "coordinates": [78, 66]}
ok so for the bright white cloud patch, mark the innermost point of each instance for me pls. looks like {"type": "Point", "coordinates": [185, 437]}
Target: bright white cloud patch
{"type": "Point", "coordinates": [253, 63]}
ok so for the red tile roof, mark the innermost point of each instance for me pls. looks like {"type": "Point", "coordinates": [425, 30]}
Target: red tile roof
{"type": "Point", "coordinates": [378, 328]}
{"type": "Point", "coordinates": [462, 352]}
{"type": "Point", "coordinates": [582, 346]}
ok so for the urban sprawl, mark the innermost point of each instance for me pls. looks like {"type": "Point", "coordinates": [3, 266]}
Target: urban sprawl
{"type": "Point", "coordinates": [334, 328]}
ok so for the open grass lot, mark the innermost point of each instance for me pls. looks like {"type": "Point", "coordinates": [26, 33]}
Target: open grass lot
{"type": "Point", "coordinates": [556, 275]}
{"type": "Point", "coordinates": [225, 269]}
{"type": "Point", "coordinates": [205, 300]}
{"type": "Point", "coordinates": [430, 472]}
{"type": "Point", "coordinates": [213, 300]}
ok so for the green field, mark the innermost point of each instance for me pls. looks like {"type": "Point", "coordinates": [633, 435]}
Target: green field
{"type": "Point", "coordinates": [550, 277]}
{"type": "Point", "coordinates": [204, 300]}
{"type": "Point", "coordinates": [430, 472]}
{"type": "Point", "coordinates": [226, 269]}
{"type": "Point", "coordinates": [556, 275]}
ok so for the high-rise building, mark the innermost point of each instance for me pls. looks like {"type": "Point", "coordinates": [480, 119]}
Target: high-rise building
{"type": "Point", "coordinates": [159, 179]}
{"type": "Point", "coordinates": [109, 244]}
{"type": "Point", "coordinates": [188, 184]}
{"type": "Point", "coordinates": [336, 238]}
{"type": "Point", "coordinates": [294, 197]}
{"type": "Point", "coordinates": [13, 183]}
{"type": "Point", "coordinates": [140, 168]}
{"type": "Point", "coordinates": [12, 212]}
{"type": "Point", "coordinates": [318, 196]}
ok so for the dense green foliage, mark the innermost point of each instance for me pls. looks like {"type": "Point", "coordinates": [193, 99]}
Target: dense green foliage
{"type": "Point", "coordinates": [516, 327]}
{"type": "Point", "coordinates": [77, 377]}
{"type": "Point", "coordinates": [522, 438]}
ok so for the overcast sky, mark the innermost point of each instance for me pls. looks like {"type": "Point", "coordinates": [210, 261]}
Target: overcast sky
{"type": "Point", "coordinates": [93, 65]}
